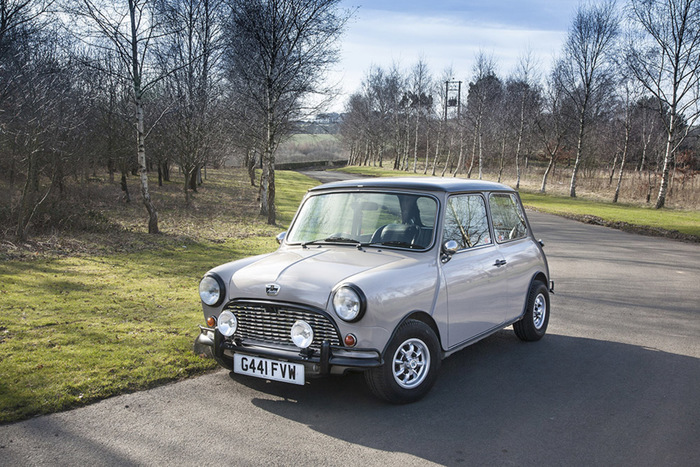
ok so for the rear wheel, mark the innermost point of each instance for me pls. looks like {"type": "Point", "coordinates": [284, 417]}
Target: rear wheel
{"type": "Point", "coordinates": [410, 367]}
{"type": "Point", "coordinates": [533, 324]}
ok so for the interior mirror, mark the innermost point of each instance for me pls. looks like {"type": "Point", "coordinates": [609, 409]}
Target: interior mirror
{"type": "Point", "coordinates": [280, 237]}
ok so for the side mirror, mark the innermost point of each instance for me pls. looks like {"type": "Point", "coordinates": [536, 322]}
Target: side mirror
{"type": "Point", "coordinates": [449, 248]}
{"type": "Point", "coordinates": [541, 243]}
{"type": "Point", "coordinates": [280, 237]}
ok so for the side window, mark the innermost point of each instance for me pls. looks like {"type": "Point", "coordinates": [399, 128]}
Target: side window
{"type": "Point", "coordinates": [466, 221]}
{"type": "Point", "coordinates": [508, 218]}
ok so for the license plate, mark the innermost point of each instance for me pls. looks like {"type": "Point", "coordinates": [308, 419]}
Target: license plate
{"type": "Point", "coordinates": [265, 368]}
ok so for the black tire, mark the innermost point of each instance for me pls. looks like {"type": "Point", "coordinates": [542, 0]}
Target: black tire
{"type": "Point", "coordinates": [410, 367]}
{"type": "Point", "coordinates": [533, 325]}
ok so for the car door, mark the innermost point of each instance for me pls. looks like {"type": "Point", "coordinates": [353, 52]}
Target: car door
{"type": "Point", "coordinates": [474, 277]}
{"type": "Point", "coordinates": [515, 244]}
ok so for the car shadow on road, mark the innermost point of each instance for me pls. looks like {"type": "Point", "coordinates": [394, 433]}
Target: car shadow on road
{"type": "Point", "coordinates": [561, 400]}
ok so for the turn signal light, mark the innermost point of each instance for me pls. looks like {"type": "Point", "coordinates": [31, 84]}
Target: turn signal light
{"type": "Point", "coordinates": [350, 340]}
{"type": "Point", "coordinates": [211, 321]}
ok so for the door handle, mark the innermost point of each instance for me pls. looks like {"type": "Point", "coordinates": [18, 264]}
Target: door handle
{"type": "Point", "coordinates": [500, 262]}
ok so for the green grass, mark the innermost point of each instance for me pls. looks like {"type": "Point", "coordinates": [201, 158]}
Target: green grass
{"type": "Point", "coordinates": [685, 222]}
{"type": "Point", "coordinates": [379, 172]}
{"type": "Point", "coordinates": [307, 138]}
{"type": "Point", "coordinates": [80, 328]}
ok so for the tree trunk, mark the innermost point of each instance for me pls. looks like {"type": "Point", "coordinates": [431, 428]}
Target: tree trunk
{"type": "Point", "coordinates": [143, 172]}
{"type": "Point", "coordinates": [481, 153]}
{"type": "Point", "coordinates": [543, 188]}
{"type": "Point", "coordinates": [661, 198]}
{"type": "Point", "coordinates": [619, 176]}
{"type": "Point", "coordinates": [449, 155]}
{"type": "Point", "coordinates": [437, 147]}
{"type": "Point", "coordinates": [125, 188]}
{"type": "Point", "coordinates": [427, 148]}
{"type": "Point", "coordinates": [614, 166]}
{"type": "Point", "coordinates": [186, 186]}
{"type": "Point", "coordinates": [29, 195]}
{"type": "Point", "coordinates": [267, 182]}
{"type": "Point", "coordinates": [460, 161]}
{"type": "Point", "coordinates": [579, 150]}
{"type": "Point", "coordinates": [471, 161]}
{"type": "Point", "coordinates": [502, 161]}
{"type": "Point", "coordinates": [624, 154]}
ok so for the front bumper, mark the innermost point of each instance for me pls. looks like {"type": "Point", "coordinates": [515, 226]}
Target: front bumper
{"type": "Point", "coordinates": [329, 359]}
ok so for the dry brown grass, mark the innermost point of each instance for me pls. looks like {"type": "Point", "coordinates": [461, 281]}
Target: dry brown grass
{"type": "Point", "coordinates": [91, 217]}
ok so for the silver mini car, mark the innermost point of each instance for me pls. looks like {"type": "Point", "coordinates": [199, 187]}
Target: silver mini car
{"type": "Point", "coordinates": [385, 276]}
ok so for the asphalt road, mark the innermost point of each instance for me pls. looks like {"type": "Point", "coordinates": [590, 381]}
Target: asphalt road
{"type": "Point", "coordinates": [616, 381]}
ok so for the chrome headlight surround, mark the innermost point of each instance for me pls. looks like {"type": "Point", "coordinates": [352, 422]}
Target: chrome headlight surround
{"type": "Point", "coordinates": [349, 303]}
{"type": "Point", "coordinates": [212, 290]}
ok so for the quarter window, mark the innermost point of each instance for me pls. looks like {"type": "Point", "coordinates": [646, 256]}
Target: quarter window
{"type": "Point", "coordinates": [466, 221]}
{"type": "Point", "coordinates": [508, 219]}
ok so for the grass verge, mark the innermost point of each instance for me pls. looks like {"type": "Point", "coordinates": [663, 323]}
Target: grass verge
{"type": "Point", "coordinates": [80, 328]}
{"type": "Point", "coordinates": [671, 223]}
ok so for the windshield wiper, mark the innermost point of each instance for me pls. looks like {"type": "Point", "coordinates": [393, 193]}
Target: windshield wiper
{"type": "Point", "coordinates": [330, 240]}
{"type": "Point", "coordinates": [391, 243]}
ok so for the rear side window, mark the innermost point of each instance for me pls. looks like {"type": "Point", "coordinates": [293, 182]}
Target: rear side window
{"type": "Point", "coordinates": [508, 218]}
{"type": "Point", "coordinates": [466, 221]}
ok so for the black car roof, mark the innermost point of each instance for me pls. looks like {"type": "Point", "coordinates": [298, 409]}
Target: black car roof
{"type": "Point", "coordinates": [448, 185]}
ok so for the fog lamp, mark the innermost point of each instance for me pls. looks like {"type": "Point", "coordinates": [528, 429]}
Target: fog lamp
{"type": "Point", "coordinates": [302, 334]}
{"type": "Point", "coordinates": [227, 323]}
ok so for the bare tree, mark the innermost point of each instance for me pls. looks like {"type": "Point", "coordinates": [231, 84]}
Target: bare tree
{"type": "Point", "coordinates": [523, 95]}
{"type": "Point", "coordinates": [190, 57]}
{"type": "Point", "coordinates": [484, 92]}
{"type": "Point", "coordinates": [627, 97]}
{"type": "Point", "coordinates": [585, 67]}
{"type": "Point", "coordinates": [663, 53]}
{"type": "Point", "coordinates": [130, 30]}
{"type": "Point", "coordinates": [421, 101]}
{"type": "Point", "coordinates": [278, 51]}
{"type": "Point", "coordinates": [553, 123]}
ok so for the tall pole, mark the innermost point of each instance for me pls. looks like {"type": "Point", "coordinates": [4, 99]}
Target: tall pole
{"type": "Point", "coordinates": [447, 94]}
{"type": "Point", "coordinates": [459, 98]}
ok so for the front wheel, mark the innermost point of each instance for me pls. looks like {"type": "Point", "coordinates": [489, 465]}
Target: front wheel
{"type": "Point", "coordinates": [534, 322]}
{"type": "Point", "coordinates": [410, 367]}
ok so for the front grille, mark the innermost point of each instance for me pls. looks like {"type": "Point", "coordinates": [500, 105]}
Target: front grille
{"type": "Point", "coordinates": [271, 323]}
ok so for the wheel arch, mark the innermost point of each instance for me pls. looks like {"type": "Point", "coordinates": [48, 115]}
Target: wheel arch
{"type": "Point", "coordinates": [417, 315]}
{"type": "Point", "coordinates": [538, 277]}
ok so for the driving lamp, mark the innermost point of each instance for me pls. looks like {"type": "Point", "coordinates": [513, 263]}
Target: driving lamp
{"type": "Point", "coordinates": [302, 334]}
{"type": "Point", "coordinates": [227, 323]}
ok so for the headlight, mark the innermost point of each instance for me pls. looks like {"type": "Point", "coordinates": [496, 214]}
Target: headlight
{"type": "Point", "coordinates": [211, 290]}
{"type": "Point", "coordinates": [349, 303]}
{"type": "Point", "coordinates": [227, 323]}
{"type": "Point", "coordinates": [302, 334]}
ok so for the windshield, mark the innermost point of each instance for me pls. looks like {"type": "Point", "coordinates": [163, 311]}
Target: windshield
{"type": "Point", "coordinates": [389, 219]}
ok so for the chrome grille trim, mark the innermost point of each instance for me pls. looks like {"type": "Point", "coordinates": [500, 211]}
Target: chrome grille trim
{"type": "Point", "coordinates": [271, 323]}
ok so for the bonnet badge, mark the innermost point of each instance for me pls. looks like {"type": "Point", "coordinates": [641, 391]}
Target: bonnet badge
{"type": "Point", "coordinates": [272, 289]}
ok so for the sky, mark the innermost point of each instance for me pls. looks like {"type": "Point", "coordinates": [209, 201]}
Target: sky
{"type": "Point", "coordinates": [448, 33]}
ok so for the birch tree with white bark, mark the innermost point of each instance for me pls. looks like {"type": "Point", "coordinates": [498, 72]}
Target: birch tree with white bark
{"type": "Point", "coordinates": [587, 67]}
{"type": "Point", "coordinates": [130, 29]}
{"type": "Point", "coordinates": [663, 52]}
